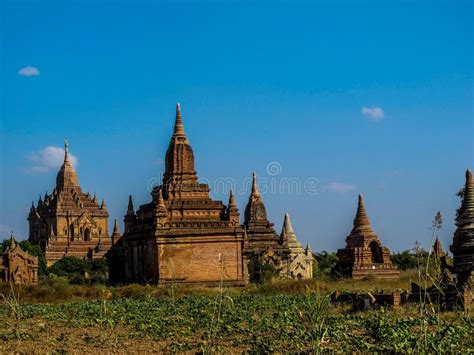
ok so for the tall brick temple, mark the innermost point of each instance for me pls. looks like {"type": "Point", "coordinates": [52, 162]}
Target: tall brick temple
{"type": "Point", "coordinates": [182, 235]}
{"type": "Point", "coordinates": [69, 222]}
{"type": "Point", "coordinates": [364, 254]}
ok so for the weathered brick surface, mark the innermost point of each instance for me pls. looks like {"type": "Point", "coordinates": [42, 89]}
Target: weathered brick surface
{"type": "Point", "coordinates": [201, 261]}
{"type": "Point", "coordinates": [18, 266]}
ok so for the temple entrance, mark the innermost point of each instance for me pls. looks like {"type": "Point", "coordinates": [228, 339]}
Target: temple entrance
{"type": "Point", "coordinates": [71, 232]}
{"type": "Point", "coordinates": [376, 251]}
{"type": "Point", "coordinates": [87, 235]}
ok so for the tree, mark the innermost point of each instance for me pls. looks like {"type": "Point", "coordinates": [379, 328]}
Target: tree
{"type": "Point", "coordinates": [326, 262]}
{"type": "Point", "coordinates": [79, 271]}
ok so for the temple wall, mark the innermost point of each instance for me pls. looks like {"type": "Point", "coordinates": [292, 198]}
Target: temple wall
{"type": "Point", "coordinates": [101, 222]}
{"type": "Point", "coordinates": [201, 262]}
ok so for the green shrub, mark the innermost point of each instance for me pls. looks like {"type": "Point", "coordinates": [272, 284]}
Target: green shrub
{"type": "Point", "coordinates": [325, 264]}
{"type": "Point", "coordinates": [79, 271]}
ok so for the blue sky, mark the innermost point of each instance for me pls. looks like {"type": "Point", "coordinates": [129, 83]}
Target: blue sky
{"type": "Point", "coordinates": [362, 96]}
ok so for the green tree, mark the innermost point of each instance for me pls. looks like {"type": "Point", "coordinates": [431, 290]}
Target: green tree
{"type": "Point", "coordinates": [326, 262]}
{"type": "Point", "coordinates": [79, 271]}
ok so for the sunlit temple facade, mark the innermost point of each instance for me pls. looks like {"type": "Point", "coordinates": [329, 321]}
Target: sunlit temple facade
{"type": "Point", "coordinates": [68, 221]}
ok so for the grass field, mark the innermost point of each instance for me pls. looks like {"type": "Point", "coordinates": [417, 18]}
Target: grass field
{"type": "Point", "coordinates": [280, 317]}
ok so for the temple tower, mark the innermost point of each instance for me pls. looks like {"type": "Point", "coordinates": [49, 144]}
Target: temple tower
{"type": "Point", "coordinates": [263, 247]}
{"type": "Point", "coordinates": [463, 241]}
{"type": "Point", "coordinates": [68, 221]}
{"type": "Point", "coordinates": [299, 260]}
{"type": "Point", "coordinates": [182, 235]}
{"type": "Point", "coordinates": [364, 254]}
{"type": "Point", "coordinates": [258, 228]}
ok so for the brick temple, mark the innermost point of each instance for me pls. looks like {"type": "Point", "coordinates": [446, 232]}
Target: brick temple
{"type": "Point", "coordinates": [18, 266]}
{"type": "Point", "coordinates": [364, 254]}
{"type": "Point", "coordinates": [182, 235]}
{"type": "Point", "coordinates": [69, 222]}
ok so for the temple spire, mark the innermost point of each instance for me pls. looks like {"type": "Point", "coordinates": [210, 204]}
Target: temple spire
{"type": "Point", "coordinates": [232, 210]}
{"type": "Point", "coordinates": [12, 241]}
{"type": "Point", "coordinates": [130, 210]}
{"type": "Point", "coordinates": [361, 221]}
{"type": "Point", "coordinates": [287, 234]}
{"type": "Point", "coordinates": [67, 176]}
{"type": "Point", "coordinates": [179, 163]}
{"type": "Point", "coordinates": [66, 151]}
{"type": "Point", "coordinates": [161, 201]}
{"type": "Point", "coordinates": [255, 191]}
{"type": "Point", "coordinates": [178, 125]}
{"type": "Point", "coordinates": [161, 211]}
{"type": "Point", "coordinates": [116, 227]}
{"type": "Point", "coordinates": [466, 212]}
{"type": "Point", "coordinates": [116, 232]}
{"type": "Point", "coordinates": [463, 256]}
{"type": "Point", "coordinates": [232, 203]}
{"type": "Point", "coordinates": [287, 227]}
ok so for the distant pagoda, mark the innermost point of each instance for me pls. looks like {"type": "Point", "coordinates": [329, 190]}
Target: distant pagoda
{"type": "Point", "coordinates": [364, 254]}
{"type": "Point", "coordinates": [463, 241]}
{"type": "Point", "coordinates": [299, 259]}
{"type": "Point", "coordinates": [264, 247]}
{"type": "Point", "coordinates": [69, 222]}
{"type": "Point", "coordinates": [437, 248]}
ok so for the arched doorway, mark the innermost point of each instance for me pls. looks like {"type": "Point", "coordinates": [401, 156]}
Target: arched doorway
{"type": "Point", "coordinates": [376, 251]}
{"type": "Point", "coordinates": [71, 232]}
{"type": "Point", "coordinates": [87, 235]}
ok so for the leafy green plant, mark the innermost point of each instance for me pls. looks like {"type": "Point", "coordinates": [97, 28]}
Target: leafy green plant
{"type": "Point", "coordinates": [313, 314]}
{"type": "Point", "coordinates": [79, 271]}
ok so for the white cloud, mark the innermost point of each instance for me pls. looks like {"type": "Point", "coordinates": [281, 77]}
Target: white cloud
{"type": "Point", "coordinates": [373, 113]}
{"type": "Point", "coordinates": [47, 159]}
{"type": "Point", "coordinates": [29, 71]}
{"type": "Point", "coordinates": [340, 187]}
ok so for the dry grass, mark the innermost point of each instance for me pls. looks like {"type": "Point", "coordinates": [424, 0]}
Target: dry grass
{"type": "Point", "coordinates": [57, 290]}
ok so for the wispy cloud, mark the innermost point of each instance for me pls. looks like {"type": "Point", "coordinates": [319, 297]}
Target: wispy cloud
{"type": "Point", "coordinates": [29, 71]}
{"type": "Point", "coordinates": [373, 113]}
{"type": "Point", "coordinates": [47, 159]}
{"type": "Point", "coordinates": [340, 187]}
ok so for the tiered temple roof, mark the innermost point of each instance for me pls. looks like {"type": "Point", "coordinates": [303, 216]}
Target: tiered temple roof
{"type": "Point", "coordinates": [182, 235]}
{"type": "Point", "coordinates": [69, 221]}
{"type": "Point", "coordinates": [258, 227]}
{"type": "Point", "coordinates": [463, 241]}
{"type": "Point", "coordinates": [364, 254]}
